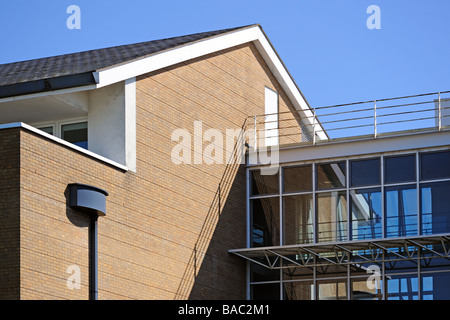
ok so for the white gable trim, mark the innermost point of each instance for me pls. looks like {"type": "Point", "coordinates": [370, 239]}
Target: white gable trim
{"type": "Point", "coordinates": [207, 46]}
{"type": "Point", "coordinates": [173, 56]}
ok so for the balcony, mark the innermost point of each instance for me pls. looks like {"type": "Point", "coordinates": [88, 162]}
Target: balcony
{"type": "Point", "coordinates": [358, 120]}
{"type": "Point", "coordinates": [355, 192]}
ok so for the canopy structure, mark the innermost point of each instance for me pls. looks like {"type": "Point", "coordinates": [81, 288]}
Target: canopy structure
{"type": "Point", "coordinates": [354, 253]}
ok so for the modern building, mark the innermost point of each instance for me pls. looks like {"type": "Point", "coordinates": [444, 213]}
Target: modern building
{"type": "Point", "coordinates": [194, 168]}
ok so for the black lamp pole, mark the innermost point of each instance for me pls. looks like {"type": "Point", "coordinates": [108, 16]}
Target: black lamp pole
{"type": "Point", "coordinates": [93, 259]}
{"type": "Point", "coordinates": [91, 200]}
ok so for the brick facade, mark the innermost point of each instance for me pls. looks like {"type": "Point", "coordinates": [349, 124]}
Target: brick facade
{"type": "Point", "coordinates": [167, 227]}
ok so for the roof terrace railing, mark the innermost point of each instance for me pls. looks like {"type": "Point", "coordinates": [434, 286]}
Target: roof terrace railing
{"type": "Point", "coordinates": [430, 111]}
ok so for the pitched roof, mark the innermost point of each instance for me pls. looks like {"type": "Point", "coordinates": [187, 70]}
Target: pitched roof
{"type": "Point", "coordinates": [86, 62]}
{"type": "Point", "coordinates": [101, 67]}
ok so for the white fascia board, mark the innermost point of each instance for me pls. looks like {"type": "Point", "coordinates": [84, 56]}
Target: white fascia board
{"type": "Point", "coordinates": [62, 142]}
{"type": "Point", "coordinates": [285, 80]}
{"type": "Point", "coordinates": [174, 56]}
{"type": "Point", "coordinates": [365, 147]}
{"type": "Point", "coordinates": [204, 47]}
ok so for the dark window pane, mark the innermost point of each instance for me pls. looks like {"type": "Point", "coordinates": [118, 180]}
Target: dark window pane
{"type": "Point", "coordinates": [435, 207]}
{"type": "Point", "coordinates": [400, 169]}
{"type": "Point", "coordinates": [365, 172]}
{"type": "Point", "coordinates": [265, 222]}
{"type": "Point", "coordinates": [49, 130]}
{"type": "Point", "coordinates": [331, 175]}
{"type": "Point", "coordinates": [263, 184]}
{"type": "Point", "coordinates": [258, 273]}
{"type": "Point", "coordinates": [435, 286]}
{"type": "Point", "coordinates": [435, 165]}
{"type": "Point", "coordinates": [265, 291]}
{"type": "Point", "coordinates": [76, 133]}
{"type": "Point", "coordinates": [298, 220]}
{"type": "Point", "coordinates": [298, 179]}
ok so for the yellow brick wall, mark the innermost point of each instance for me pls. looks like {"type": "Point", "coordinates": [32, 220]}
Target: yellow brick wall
{"type": "Point", "coordinates": [164, 235]}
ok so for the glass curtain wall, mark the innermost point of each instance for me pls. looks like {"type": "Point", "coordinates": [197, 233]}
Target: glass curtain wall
{"type": "Point", "coordinates": [388, 196]}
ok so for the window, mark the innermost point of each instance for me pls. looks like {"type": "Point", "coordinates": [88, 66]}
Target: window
{"type": "Point", "coordinates": [265, 222]}
{"type": "Point", "coordinates": [297, 179]}
{"type": "Point", "coordinates": [271, 118]}
{"type": "Point", "coordinates": [435, 165]}
{"type": "Point", "coordinates": [263, 184]}
{"type": "Point", "coordinates": [48, 129]}
{"type": "Point", "coordinates": [298, 219]}
{"type": "Point", "coordinates": [328, 201]}
{"type": "Point", "coordinates": [401, 211]}
{"type": "Point", "coordinates": [332, 216]}
{"type": "Point", "coordinates": [365, 172]}
{"type": "Point", "coordinates": [400, 169]}
{"type": "Point", "coordinates": [435, 207]}
{"type": "Point", "coordinates": [75, 132]}
{"type": "Point", "coordinates": [366, 214]}
{"type": "Point", "coordinates": [331, 175]}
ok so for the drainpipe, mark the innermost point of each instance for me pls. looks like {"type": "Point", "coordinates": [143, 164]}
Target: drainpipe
{"type": "Point", "coordinates": [93, 259]}
{"type": "Point", "coordinates": [91, 200]}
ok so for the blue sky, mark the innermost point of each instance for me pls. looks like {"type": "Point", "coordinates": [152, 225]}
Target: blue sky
{"type": "Point", "coordinates": [325, 44]}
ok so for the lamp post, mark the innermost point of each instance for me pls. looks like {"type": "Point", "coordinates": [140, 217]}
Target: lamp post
{"type": "Point", "coordinates": [91, 200]}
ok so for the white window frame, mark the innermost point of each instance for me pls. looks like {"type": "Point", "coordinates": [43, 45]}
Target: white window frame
{"type": "Point", "coordinates": [57, 125]}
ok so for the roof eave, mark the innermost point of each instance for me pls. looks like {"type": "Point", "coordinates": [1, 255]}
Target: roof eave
{"type": "Point", "coordinates": [48, 85]}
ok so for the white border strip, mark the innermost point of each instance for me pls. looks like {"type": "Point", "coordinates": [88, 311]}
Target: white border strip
{"type": "Point", "coordinates": [207, 46]}
{"type": "Point", "coordinates": [62, 142]}
{"type": "Point", "coordinates": [174, 56]}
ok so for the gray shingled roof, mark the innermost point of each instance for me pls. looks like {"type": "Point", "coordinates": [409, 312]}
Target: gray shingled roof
{"type": "Point", "coordinates": [92, 60]}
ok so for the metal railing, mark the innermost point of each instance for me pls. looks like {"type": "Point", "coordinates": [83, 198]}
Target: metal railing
{"type": "Point", "coordinates": [430, 111]}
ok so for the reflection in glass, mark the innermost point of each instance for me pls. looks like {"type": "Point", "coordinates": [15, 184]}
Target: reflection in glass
{"type": "Point", "coordinates": [263, 184]}
{"type": "Point", "coordinates": [400, 169]}
{"type": "Point", "coordinates": [76, 133]}
{"type": "Point", "coordinates": [435, 165]}
{"type": "Point", "coordinates": [297, 178]}
{"type": "Point", "coordinates": [332, 290]}
{"type": "Point", "coordinates": [49, 129]}
{"type": "Point", "coordinates": [435, 207]}
{"type": "Point", "coordinates": [365, 172]}
{"type": "Point", "coordinates": [331, 175]}
{"type": "Point", "coordinates": [435, 286]}
{"type": "Point", "coordinates": [367, 288]}
{"type": "Point", "coordinates": [403, 287]}
{"type": "Point", "coordinates": [332, 216]}
{"type": "Point", "coordinates": [401, 211]}
{"type": "Point", "coordinates": [298, 290]}
{"type": "Point", "coordinates": [297, 218]}
{"type": "Point", "coordinates": [366, 214]}
{"type": "Point", "coordinates": [265, 222]}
